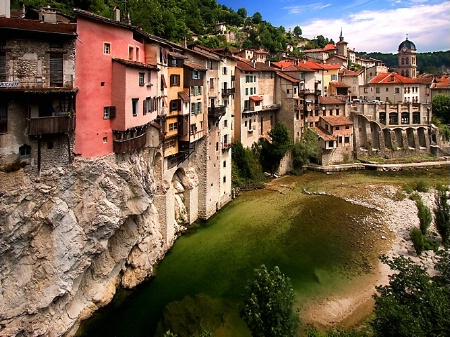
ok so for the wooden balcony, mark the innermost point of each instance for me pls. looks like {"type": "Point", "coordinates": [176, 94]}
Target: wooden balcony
{"type": "Point", "coordinates": [226, 146]}
{"type": "Point", "coordinates": [129, 145]}
{"type": "Point", "coordinates": [217, 111]}
{"type": "Point", "coordinates": [228, 92]}
{"type": "Point", "coordinates": [37, 83]}
{"type": "Point", "coordinates": [51, 125]}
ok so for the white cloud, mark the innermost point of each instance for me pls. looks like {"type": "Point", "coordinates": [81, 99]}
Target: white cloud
{"type": "Point", "coordinates": [302, 8]}
{"type": "Point", "coordinates": [426, 26]}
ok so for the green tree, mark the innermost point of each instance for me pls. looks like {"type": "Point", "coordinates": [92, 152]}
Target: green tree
{"type": "Point", "coordinates": [272, 152]}
{"type": "Point", "coordinates": [425, 217]}
{"type": "Point", "coordinates": [268, 305]}
{"type": "Point", "coordinates": [297, 31]}
{"type": "Point", "coordinates": [257, 18]}
{"type": "Point", "coordinates": [442, 214]}
{"type": "Point", "coordinates": [413, 303]}
{"type": "Point", "coordinates": [441, 107]}
{"type": "Point", "coordinates": [242, 12]}
{"type": "Point", "coordinates": [305, 150]}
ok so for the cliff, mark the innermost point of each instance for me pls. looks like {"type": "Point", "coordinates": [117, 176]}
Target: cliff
{"type": "Point", "coordinates": [70, 236]}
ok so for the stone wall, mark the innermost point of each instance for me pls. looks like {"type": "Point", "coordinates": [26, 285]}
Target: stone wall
{"type": "Point", "coordinates": [70, 236]}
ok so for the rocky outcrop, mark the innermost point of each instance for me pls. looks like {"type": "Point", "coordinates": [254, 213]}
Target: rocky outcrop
{"type": "Point", "coordinates": [70, 237]}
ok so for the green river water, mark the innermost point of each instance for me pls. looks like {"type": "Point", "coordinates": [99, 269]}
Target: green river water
{"type": "Point", "coordinates": [316, 240]}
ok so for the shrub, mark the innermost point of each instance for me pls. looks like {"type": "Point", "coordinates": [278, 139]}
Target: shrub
{"type": "Point", "coordinates": [268, 301]}
{"type": "Point", "coordinates": [424, 214]}
{"type": "Point", "coordinates": [417, 239]}
{"type": "Point", "coordinates": [442, 214]}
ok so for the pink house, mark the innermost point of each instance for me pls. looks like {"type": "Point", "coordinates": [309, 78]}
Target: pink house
{"type": "Point", "coordinates": [117, 90]}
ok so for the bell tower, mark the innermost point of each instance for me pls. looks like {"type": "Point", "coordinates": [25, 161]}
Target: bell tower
{"type": "Point", "coordinates": [407, 60]}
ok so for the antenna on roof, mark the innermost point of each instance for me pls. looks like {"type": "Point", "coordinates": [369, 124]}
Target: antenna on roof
{"type": "Point", "coordinates": [407, 36]}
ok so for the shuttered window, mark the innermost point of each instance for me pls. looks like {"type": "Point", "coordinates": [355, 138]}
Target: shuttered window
{"type": "Point", "coordinates": [2, 66]}
{"type": "Point", "coordinates": [56, 70]}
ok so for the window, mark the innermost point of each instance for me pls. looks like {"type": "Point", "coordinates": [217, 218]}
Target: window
{"type": "Point", "coordinates": [106, 112]}
{"type": "Point", "coordinates": [224, 163]}
{"type": "Point", "coordinates": [141, 79]}
{"type": "Point", "coordinates": [25, 151]}
{"type": "Point", "coordinates": [224, 70]}
{"type": "Point", "coordinates": [337, 112]}
{"type": "Point", "coordinates": [106, 48]}
{"type": "Point", "coordinates": [130, 52]}
{"type": "Point", "coordinates": [397, 91]}
{"type": "Point", "coordinates": [137, 54]}
{"type": "Point", "coordinates": [246, 104]}
{"type": "Point", "coordinates": [173, 126]}
{"type": "Point", "coordinates": [251, 91]}
{"type": "Point", "coordinates": [196, 90]}
{"type": "Point", "coordinates": [2, 66]}
{"type": "Point", "coordinates": [3, 118]}
{"type": "Point", "coordinates": [334, 77]}
{"type": "Point", "coordinates": [224, 179]}
{"type": "Point", "coordinates": [246, 91]}
{"type": "Point", "coordinates": [193, 129]}
{"type": "Point", "coordinates": [105, 140]}
{"type": "Point", "coordinates": [144, 107]}
{"type": "Point", "coordinates": [149, 78]}
{"type": "Point", "coordinates": [175, 105]}
{"type": "Point", "coordinates": [225, 123]}
{"type": "Point", "coordinates": [195, 75]}
{"type": "Point", "coordinates": [346, 140]}
{"type": "Point", "coordinates": [134, 106]}
{"type": "Point", "coordinates": [56, 70]}
{"type": "Point", "coordinates": [387, 89]}
{"type": "Point", "coordinates": [174, 80]}
{"type": "Point", "coordinates": [337, 128]}
{"type": "Point", "coordinates": [377, 90]}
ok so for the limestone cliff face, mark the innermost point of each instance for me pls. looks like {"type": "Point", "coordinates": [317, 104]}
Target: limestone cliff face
{"type": "Point", "coordinates": [68, 238]}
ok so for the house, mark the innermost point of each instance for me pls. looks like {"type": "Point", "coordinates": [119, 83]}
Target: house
{"type": "Point", "coordinates": [119, 100]}
{"type": "Point", "coordinates": [392, 87]}
{"type": "Point", "coordinates": [353, 79]}
{"type": "Point", "coordinates": [37, 91]}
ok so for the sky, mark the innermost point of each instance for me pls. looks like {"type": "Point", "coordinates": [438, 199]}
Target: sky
{"type": "Point", "coordinates": [367, 25]}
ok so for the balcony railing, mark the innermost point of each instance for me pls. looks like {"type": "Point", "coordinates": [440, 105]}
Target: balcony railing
{"type": "Point", "coordinates": [51, 125]}
{"type": "Point", "coordinates": [217, 111]}
{"type": "Point", "coordinates": [13, 83]}
{"type": "Point", "coordinates": [228, 92]}
{"type": "Point", "coordinates": [274, 106]}
{"type": "Point", "coordinates": [129, 145]}
{"type": "Point", "coordinates": [226, 146]}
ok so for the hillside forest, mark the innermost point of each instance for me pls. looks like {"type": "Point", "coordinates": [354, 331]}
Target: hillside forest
{"type": "Point", "coordinates": [177, 19]}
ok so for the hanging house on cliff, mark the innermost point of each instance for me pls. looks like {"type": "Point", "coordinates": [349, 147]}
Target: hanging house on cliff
{"type": "Point", "coordinates": [37, 91]}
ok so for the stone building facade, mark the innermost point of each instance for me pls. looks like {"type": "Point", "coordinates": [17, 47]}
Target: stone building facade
{"type": "Point", "coordinates": [37, 93]}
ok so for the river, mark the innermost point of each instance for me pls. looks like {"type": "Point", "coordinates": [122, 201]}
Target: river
{"type": "Point", "coordinates": [323, 243]}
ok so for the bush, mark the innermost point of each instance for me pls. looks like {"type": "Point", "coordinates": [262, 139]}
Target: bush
{"type": "Point", "coordinates": [442, 214]}
{"type": "Point", "coordinates": [268, 301]}
{"type": "Point", "coordinates": [425, 218]}
{"type": "Point", "coordinates": [417, 239]}
{"type": "Point", "coordinates": [419, 186]}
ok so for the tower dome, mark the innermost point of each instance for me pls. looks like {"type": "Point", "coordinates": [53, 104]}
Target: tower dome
{"type": "Point", "coordinates": [407, 45]}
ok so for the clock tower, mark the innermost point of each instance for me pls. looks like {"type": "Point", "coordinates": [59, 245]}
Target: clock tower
{"type": "Point", "coordinates": [407, 60]}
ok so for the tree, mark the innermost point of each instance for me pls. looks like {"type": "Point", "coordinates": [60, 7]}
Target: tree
{"type": "Point", "coordinates": [413, 303]}
{"type": "Point", "coordinates": [272, 152]}
{"type": "Point", "coordinates": [242, 12]}
{"type": "Point", "coordinates": [442, 214]}
{"type": "Point", "coordinates": [305, 150]}
{"type": "Point", "coordinates": [297, 31]}
{"type": "Point", "coordinates": [441, 107]}
{"type": "Point", "coordinates": [425, 217]}
{"type": "Point", "coordinates": [268, 305]}
{"type": "Point", "coordinates": [257, 18]}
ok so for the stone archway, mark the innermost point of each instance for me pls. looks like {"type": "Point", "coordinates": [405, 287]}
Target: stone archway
{"type": "Point", "coordinates": [411, 137]}
{"type": "Point", "coordinates": [387, 138]}
{"type": "Point", "coordinates": [421, 134]}
{"type": "Point", "coordinates": [399, 137]}
{"type": "Point", "coordinates": [362, 132]}
{"type": "Point", "coordinates": [375, 131]}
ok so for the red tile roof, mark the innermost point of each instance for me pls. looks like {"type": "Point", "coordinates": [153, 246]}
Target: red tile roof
{"type": "Point", "coordinates": [136, 64]}
{"type": "Point", "coordinates": [37, 26]}
{"type": "Point", "coordinates": [387, 78]}
{"type": "Point", "coordinates": [337, 84]}
{"type": "Point", "coordinates": [264, 67]}
{"type": "Point", "coordinates": [329, 100]}
{"type": "Point", "coordinates": [256, 98]}
{"type": "Point", "coordinates": [337, 120]}
{"type": "Point", "coordinates": [325, 135]}
{"type": "Point", "coordinates": [244, 66]}
{"type": "Point", "coordinates": [195, 66]}
{"type": "Point", "coordinates": [287, 77]}
{"type": "Point", "coordinates": [282, 64]}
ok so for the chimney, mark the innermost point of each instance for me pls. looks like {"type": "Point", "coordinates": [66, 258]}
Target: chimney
{"type": "Point", "coordinates": [5, 9]}
{"type": "Point", "coordinates": [116, 14]}
{"type": "Point", "coordinates": [47, 14]}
